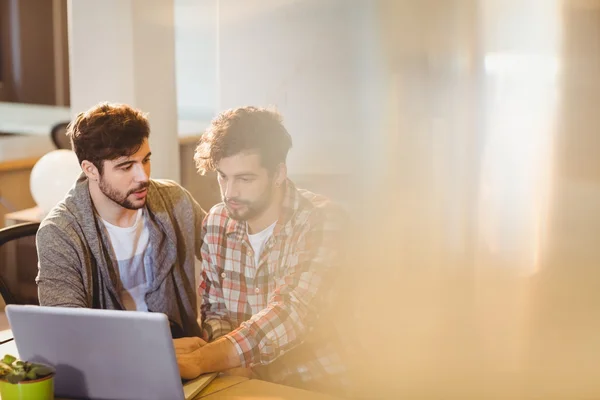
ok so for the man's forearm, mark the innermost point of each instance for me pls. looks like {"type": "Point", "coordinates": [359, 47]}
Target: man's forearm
{"type": "Point", "coordinates": [217, 356]}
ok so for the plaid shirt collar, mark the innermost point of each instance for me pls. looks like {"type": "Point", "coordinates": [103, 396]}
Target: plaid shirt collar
{"type": "Point", "coordinates": [284, 227]}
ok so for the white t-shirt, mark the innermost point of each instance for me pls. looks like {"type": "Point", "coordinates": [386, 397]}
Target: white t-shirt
{"type": "Point", "coordinates": [258, 240]}
{"type": "Point", "coordinates": [132, 249]}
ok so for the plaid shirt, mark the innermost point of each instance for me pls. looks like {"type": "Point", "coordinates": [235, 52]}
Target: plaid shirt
{"type": "Point", "coordinates": [270, 312]}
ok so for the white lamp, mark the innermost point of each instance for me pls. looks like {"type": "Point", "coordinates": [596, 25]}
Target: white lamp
{"type": "Point", "coordinates": [52, 177]}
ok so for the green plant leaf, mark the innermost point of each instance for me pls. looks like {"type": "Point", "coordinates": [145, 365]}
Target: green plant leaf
{"type": "Point", "coordinates": [43, 370]}
{"type": "Point", "coordinates": [8, 359]}
{"type": "Point", "coordinates": [16, 378]}
{"type": "Point", "coordinates": [15, 371]}
{"type": "Point", "coordinates": [32, 375]}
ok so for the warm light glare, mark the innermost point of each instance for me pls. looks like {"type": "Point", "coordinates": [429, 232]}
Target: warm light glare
{"type": "Point", "coordinates": [526, 66]}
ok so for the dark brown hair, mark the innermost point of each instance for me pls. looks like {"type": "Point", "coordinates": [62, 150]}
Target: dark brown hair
{"type": "Point", "coordinates": [244, 129]}
{"type": "Point", "coordinates": [106, 132]}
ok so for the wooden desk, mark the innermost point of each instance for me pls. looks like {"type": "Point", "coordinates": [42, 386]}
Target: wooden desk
{"type": "Point", "coordinates": [33, 214]}
{"type": "Point", "coordinates": [255, 389]}
{"type": "Point", "coordinates": [18, 155]}
{"type": "Point", "coordinates": [223, 387]}
{"type": "Point", "coordinates": [14, 148]}
{"type": "Point", "coordinates": [220, 384]}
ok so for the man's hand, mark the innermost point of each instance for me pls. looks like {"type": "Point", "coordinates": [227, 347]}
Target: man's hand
{"type": "Point", "coordinates": [189, 365]}
{"type": "Point", "coordinates": [195, 356]}
{"type": "Point", "coordinates": [186, 351]}
{"type": "Point", "coordinates": [187, 345]}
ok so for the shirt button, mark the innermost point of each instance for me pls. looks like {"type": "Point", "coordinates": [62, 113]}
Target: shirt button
{"type": "Point", "coordinates": [223, 275]}
{"type": "Point", "coordinates": [257, 290]}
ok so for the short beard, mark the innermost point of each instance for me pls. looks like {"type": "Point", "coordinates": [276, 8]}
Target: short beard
{"type": "Point", "coordinates": [118, 198]}
{"type": "Point", "coordinates": [254, 208]}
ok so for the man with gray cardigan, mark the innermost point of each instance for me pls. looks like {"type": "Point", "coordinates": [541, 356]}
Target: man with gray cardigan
{"type": "Point", "coordinates": [120, 240]}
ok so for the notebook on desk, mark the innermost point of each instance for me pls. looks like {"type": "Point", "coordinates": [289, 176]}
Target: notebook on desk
{"type": "Point", "coordinates": [103, 354]}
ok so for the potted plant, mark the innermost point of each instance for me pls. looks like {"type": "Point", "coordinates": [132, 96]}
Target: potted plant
{"type": "Point", "coordinates": [21, 380]}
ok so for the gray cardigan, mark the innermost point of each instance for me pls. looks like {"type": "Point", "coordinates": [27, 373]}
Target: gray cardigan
{"type": "Point", "coordinates": [78, 269]}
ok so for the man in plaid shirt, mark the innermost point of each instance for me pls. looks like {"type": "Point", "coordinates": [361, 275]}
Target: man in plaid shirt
{"type": "Point", "coordinates": [269, 259]}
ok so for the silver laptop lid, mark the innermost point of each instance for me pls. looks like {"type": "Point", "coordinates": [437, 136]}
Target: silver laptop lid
{"type": "Point", "coordinates": [100, 354]}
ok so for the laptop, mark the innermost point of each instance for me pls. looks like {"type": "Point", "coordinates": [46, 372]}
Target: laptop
{"type": "Point", "coordinates": [103, 354]}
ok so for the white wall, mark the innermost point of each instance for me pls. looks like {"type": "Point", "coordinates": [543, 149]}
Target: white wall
{"type": "Point", "coordinates": [302, 57]}
{"type": "Point", "coordinates": [196, 58]}
{"type": "Point", "coordinates": [123, 51]}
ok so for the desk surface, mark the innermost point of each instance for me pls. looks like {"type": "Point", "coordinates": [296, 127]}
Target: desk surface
{"type": "Point", "coordinates": [33, 214]}
{"type": "Point", "coordinates": [255, 389]}
{"type": "Point", "coordinates": [18, 151]}
{"type": "Point", "coordinates": [223, 387]}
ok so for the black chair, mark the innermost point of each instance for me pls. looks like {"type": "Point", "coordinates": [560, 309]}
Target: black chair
{"type": "Point", "coordinates": [19, 263]}
{"type": "Point", "coordinates": [59, 136]}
